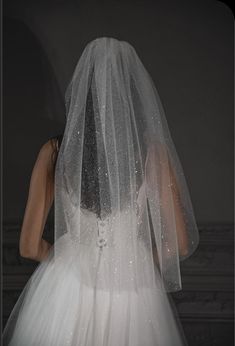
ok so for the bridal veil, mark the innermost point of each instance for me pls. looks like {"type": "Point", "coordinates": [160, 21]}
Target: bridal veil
{"type": "Point", "coordinates": [118, 166]}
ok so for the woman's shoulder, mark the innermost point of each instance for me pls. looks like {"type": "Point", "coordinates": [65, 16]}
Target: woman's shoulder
{"type": "Point", "coordinates": [59, 140]}
{"type": "Point", "coordinates": [51, 145]}
{"type": "Point", "coordinates": [56, 140]}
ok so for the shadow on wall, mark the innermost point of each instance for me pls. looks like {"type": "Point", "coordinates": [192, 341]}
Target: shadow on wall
{"type": "Point", "coordinates": [33, 112]}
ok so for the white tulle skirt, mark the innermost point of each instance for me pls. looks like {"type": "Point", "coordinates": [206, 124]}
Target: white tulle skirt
{"type": "Point", "coordinates": [56, 309]}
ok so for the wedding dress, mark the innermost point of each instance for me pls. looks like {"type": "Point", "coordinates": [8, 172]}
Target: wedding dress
{"type": "Point", "coordinates": [56, 308]}
{"type": "Point", "coordinates": [101, 284]}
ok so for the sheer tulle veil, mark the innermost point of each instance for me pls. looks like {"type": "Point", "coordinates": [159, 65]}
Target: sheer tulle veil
{"type": "Point", "coordinates": [118, 164]}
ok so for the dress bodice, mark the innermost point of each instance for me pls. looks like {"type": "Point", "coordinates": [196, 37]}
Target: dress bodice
{"type": "Point", "coordinates": [89, 229]}
{"type": "Point", "coordinates": [85, 227]}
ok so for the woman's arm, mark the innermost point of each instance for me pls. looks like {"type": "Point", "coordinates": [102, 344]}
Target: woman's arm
{"type": "Point", "coordinates": [179, 218]}
{"type": "Point", "coordinates": [168, 180]}
{"type": "Point", "coordinates": [40, 199]}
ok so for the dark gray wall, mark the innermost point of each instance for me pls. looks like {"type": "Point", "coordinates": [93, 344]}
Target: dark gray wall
{"type": "Point", "coordinates": [187, 46]}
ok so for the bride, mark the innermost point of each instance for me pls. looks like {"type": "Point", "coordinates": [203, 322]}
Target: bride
{"type": "Point", "coordinates": [123, 215]}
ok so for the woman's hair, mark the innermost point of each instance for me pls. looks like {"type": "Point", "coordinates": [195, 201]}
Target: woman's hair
{"type": "Point", "coordinates": [90, 179]}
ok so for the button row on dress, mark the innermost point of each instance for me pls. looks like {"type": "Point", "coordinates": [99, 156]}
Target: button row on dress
{"type": "Point", "coordinates": [102, 228]}
{"type": "Point", "coordinates": [137, 209]}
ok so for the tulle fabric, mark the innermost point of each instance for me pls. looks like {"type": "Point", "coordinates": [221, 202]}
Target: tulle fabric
{"type": "Point", "coordinates": [118, 149]}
